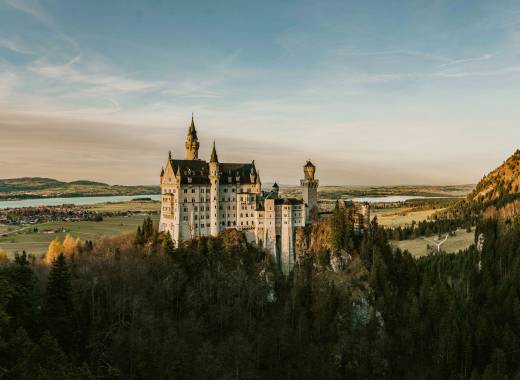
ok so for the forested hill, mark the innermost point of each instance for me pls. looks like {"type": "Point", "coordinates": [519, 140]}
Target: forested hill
{"type": "Point", "coordinates": [504, 180]}
{"type": "Point", "coordinates": [497, 194]}
{"type": "Point", "coordinates": [36, 187]}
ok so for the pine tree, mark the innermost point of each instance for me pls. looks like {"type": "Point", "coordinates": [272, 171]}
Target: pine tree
{"type": "Point", "coordinates": [167, 245]}
{"type": "Point", "coordinates": [23, 305]}
{"type": "Point", "coordinates": [139, 239]}
{"type": "Point", "coordinates": [58, 303]}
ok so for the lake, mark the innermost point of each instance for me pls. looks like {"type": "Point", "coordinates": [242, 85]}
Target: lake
{"type": "Point", "coordinates": [157, 197]}
{"type": "Point", "coordinates": [73, 200]}
{"type": "Point", "coordinates": [389, 198]}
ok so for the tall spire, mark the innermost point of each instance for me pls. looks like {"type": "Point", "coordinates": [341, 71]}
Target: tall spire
{"type": "Point", "coordinates": [192, 142]}
{"type": "Point", "coordinates": [214, 157]}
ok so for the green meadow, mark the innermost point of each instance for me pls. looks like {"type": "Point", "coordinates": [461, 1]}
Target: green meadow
{"type": "Point", "coordinates": [36, 243]}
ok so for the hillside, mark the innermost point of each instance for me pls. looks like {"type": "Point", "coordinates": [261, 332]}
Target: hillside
{"type": "Point", "coordinates": [503, 181]}
{"type": "Point", "coordinates": [35, 187]}
{"type": "Point", "coordinates": [496, 195]}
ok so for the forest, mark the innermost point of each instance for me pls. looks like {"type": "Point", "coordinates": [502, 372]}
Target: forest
{"type": "Point", "coordinates": [134, 307]}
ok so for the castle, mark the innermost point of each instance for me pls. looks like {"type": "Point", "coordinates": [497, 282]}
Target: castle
{"type": "Point", "coordinates": [200, 198]}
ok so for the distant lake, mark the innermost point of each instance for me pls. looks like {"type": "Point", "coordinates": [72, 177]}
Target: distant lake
{"type": "Point", "coordinates": [389, 198]}
{"type": "Point", "coordinates": [73, 200]}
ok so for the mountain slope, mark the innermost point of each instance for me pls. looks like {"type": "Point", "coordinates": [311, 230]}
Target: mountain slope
{"type": "Point", "coordinates": [496, 195]}
{"type": "Point", "coordinates": [35, 187]}
{"type": "Point", "coordinates": [503, 181]}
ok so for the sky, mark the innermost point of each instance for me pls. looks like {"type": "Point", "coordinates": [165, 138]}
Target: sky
{"type": "Point", "coordinates": [373, 92]}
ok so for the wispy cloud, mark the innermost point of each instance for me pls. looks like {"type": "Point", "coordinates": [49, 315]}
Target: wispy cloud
{"type": "Point", "coordinates": [32, 8]}
{"type": "Point", "coordinates": [14, 46]}
{"type": "Point", "coordinates": [484, 57]}
{"type": "Point", "coordinates": [71, 72]}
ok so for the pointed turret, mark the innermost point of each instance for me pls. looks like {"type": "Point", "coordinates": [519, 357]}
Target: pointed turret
{"type": "Point", "coordinates": [192, 142]}
{"type": "Point", "coordinates": [214, 157]}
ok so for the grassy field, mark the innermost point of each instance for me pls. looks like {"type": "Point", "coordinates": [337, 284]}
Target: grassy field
{"type": "Point", "coordinates": [400, 217]}
{"type": "Point", "coordinates": [133, 206]}
{"type": "Point", "coordinates": [37, 242]}
{"type": "Point", "coordinates": [417, 247]}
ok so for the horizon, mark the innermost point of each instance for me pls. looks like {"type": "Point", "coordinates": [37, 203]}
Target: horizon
{"type": "Point", "coordinates": [375, 94]}
{"type": "Point", "coordinates": [263, 182]}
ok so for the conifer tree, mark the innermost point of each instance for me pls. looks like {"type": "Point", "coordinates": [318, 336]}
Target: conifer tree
{"type": "Point", "coordinates": [58, 302]}
{"type": "Point", "coordinates": [139, 239]}
{"type": "Point", "coordinates": [167, 245]}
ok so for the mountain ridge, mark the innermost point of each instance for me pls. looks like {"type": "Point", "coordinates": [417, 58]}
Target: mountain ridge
{"type": "Point", "coordinates": [43, 187]}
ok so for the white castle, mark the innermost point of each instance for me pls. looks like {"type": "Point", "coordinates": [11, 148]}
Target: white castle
{"type": "Point", "coordinates": [202, 198]}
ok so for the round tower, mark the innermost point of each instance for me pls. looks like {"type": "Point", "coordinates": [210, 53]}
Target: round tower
{"type": "Point", "coordinates": [310, 191]}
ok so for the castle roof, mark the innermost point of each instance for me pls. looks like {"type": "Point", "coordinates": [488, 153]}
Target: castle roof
{"type": "Point", "coordinates": [192, 131]}
{"type": "Point", "coordinates": [214, 157]}
{"type": "Point", "coordinates": [198, 171]}
{"type": "Point", "coordinates": [288, 201]}
{"type": "Point", "coordinates": [309, 164]}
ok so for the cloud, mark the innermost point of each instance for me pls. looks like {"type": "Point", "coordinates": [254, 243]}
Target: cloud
{"type": "Point", "coordinates": [14, 46]}
{"type": "Point", "coordinates": [94, 79]}
{"type": "Point", "coordinates": [479, 73]}
{"type": "Point", "coordinates": [484, 57]}
{"type": "Point", "coordinates": [31, 8]}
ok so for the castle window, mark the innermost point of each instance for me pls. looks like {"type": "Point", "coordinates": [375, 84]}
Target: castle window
{"type": "Point", "coordinates": [207, 224]}
{"type": "Point", "coordinates": [241, 215]}
{"type": "Point", "coordinates": [202, 190]}
{"type": "Point", "coordinates": [225, 190]}
{"type": "Point", "coordinates": [196, 217]}
{"type": "Point", "coordinates": [247, 222]}
{"type": "Point", "coordinates": [233, 190]}
{"type": "Point", "coordinates": [196, 208]}
{"type": "Point", "coordinates": [192, 190]}
{"type": "Point", "coordinates": [192, 200]}
{"type": "Point", "coordinates": [229, 224]}
{"type": "Point", "coordinates": [223, 223]}
{"type": "Point", "coordinates": [185, 200]}
{"type": "Point", "coordinates": [234, 223]}
{"type": "Point", "coordinates": [185, 191]}
{"type": "Point", "coordinates": [185, 218]}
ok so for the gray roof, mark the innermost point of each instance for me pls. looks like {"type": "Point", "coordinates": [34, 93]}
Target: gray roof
{"type": "Point", "coordinates": [198, 170]}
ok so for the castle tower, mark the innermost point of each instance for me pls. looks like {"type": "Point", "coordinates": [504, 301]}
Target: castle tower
{"type": "Point", "coordinates": [214, 178]}
{"type": "Point", "coordinates": [310, 191]}
{"type": "Point", "coordinates": [275, 190]}
{"type": "Point", "coordinates": [192, 142]}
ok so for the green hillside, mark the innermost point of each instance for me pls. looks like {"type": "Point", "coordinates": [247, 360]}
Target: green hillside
{"type": "Point", "coordinates": [36, 187]}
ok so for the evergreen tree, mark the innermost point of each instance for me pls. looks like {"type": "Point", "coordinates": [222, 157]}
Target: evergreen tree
{"type": "Point", "coordinates": [167, 246]}
{"type": "Point", "coordinates": [58, 303]}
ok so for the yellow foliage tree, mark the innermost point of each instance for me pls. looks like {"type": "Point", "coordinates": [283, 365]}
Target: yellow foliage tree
{"type": "Point", "coordinates": [54, 250]}
{"type": "Point", "coordinates": [3, 257]}
{"type": "Point", "coordinates": [69, 245]}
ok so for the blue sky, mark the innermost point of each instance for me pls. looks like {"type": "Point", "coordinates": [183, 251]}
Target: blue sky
{"type": "Point", "coordinates": [375, 92]}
